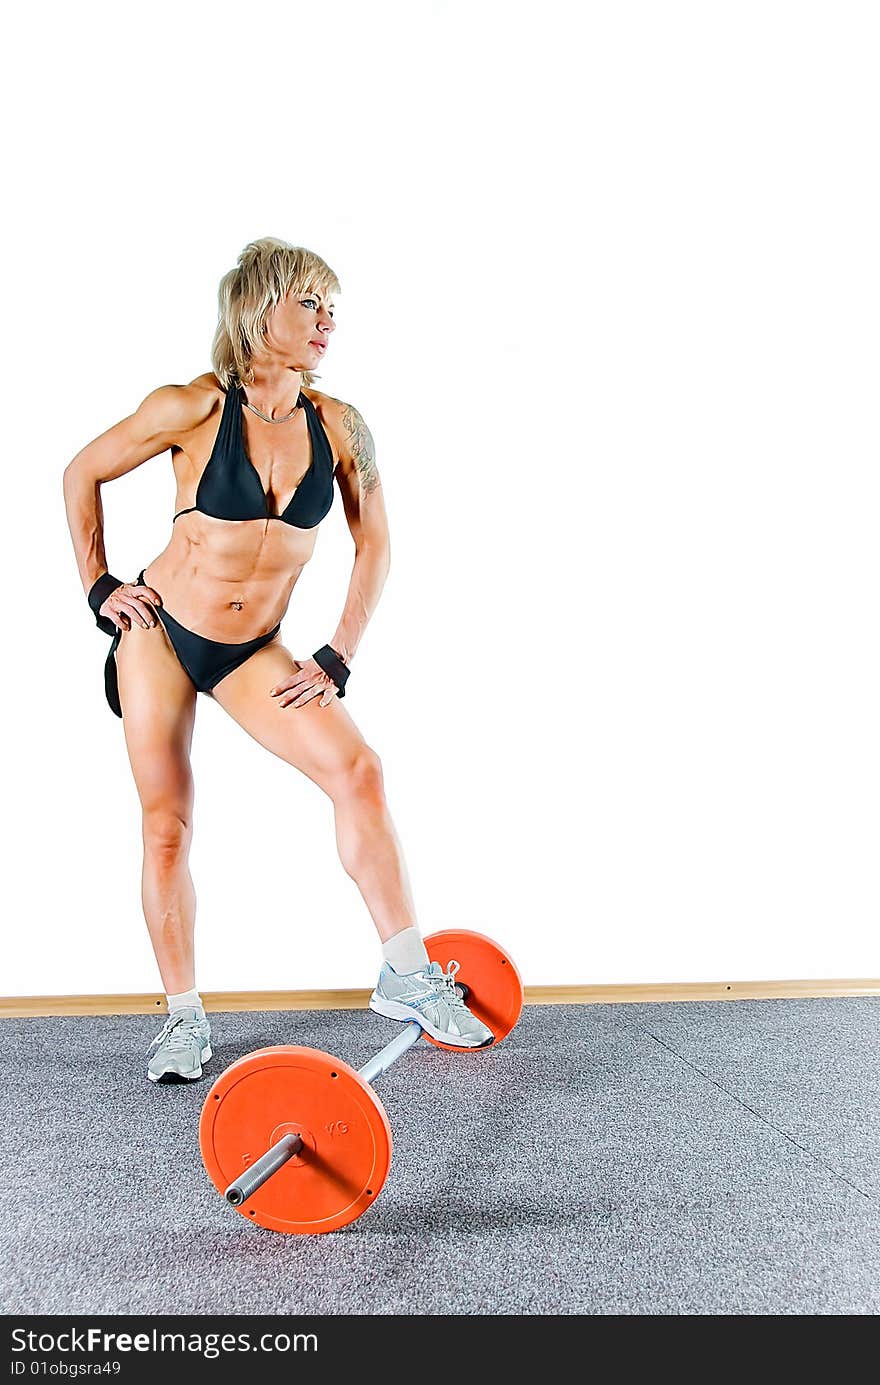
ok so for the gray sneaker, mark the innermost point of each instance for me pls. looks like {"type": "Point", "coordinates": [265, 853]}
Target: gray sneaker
{"type": "Point", "coordinates": [430, 998]}
{"type": "Point", "coordinates": [182, 1045]}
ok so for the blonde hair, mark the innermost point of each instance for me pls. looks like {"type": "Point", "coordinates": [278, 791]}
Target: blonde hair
{"type": "Point", "coordinates": [267, 270]}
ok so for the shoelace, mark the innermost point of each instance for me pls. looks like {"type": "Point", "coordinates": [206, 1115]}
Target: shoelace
{"type": "Point", "coordinates": [446, 979]}
{"type": "Point", "coordinates": [174, 1030]}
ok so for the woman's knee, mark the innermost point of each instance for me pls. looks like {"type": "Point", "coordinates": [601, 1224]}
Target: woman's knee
{"type": "Point", "coordinates": [362, 777]}
{"type": "Point", "coordinates": [167, 831]}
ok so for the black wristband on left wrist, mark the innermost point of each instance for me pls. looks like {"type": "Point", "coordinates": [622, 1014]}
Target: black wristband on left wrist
{"type": "Point", "coordinates": [327, 659]}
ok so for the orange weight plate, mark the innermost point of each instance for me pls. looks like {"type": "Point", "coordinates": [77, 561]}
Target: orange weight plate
{"type": "Point", "coordinates": [346, 1151]}
{"type": "Point", "coordinates": [494, 985]}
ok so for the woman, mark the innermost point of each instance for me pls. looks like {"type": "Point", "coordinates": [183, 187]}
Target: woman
{"type": "Point", "coordinates": [255, 450]}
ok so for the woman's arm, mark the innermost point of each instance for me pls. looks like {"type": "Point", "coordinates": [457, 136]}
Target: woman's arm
{"type": "Point", "coordinates": [160, 421]}
{"type": "Point", "coordinates": [364, 504]}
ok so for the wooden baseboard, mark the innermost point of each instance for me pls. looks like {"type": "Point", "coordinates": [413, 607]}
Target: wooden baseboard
{"type": "Point", "coordinates": [25, 1006]}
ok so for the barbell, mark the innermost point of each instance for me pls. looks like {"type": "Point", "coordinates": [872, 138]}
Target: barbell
{"type": "Point", "coordinates": [298, 1141]}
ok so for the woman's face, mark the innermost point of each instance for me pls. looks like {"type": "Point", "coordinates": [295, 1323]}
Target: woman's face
{"type": "Point", "coordinates": [298, 330]}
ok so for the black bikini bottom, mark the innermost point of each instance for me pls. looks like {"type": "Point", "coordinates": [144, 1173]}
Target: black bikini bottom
{"type": "Point", "coordinates": [205, 661]}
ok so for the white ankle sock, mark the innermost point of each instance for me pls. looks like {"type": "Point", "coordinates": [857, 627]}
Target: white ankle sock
{"type": "Point", "coordinates": [405, 952]}
{"type": "Point", "coordinates": [185, 1000]}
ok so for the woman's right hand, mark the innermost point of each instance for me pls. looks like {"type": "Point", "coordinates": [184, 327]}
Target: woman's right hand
{"type": "Point", "coordinates": [131, 602]}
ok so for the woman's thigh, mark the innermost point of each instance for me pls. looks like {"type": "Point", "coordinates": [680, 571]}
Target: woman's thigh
{"type": "Point", "coordinates": [158, 703]}
{"type": "Point", "coordinates": [323, 742]}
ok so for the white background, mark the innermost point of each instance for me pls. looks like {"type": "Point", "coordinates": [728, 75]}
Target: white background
{"type": "Point", "coordinates": [610, 309]}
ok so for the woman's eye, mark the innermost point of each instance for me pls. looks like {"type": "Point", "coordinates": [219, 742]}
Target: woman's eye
{"type": "Point", "coordinates": [306, 301]}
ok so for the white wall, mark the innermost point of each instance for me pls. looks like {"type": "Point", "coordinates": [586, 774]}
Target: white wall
{"type": "Point", "coordinates": [610, 306]}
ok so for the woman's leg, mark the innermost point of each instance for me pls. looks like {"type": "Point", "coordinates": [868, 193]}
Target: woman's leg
{"type": "Point", "coordinates": [326, 745]}
{"type": "Point", "coordinates": [368, 845]}
{"type": "Point", "coordinates": [158, 713]}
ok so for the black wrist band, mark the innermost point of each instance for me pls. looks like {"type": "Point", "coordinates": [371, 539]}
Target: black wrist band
{"type": "Point", "coordinates": [98, 594]}
{"type": "Point", "coordinates": [327, 659]}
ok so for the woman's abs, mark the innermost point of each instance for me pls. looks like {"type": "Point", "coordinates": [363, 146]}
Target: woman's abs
{"type": "Point", "coordinates": [228, 592]}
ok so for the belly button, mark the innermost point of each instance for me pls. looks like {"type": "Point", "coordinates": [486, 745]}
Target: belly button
{"type": "Point", "coordinates": [237, 605]}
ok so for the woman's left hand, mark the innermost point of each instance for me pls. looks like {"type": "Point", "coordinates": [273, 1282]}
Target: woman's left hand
{"type": "Point", "coordinates": [301, 687]}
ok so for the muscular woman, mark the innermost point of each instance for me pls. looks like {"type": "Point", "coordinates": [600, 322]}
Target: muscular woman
{"type": "Point", "coordinates": [256, 452]}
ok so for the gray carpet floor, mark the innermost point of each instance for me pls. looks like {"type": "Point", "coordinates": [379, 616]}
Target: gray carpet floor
{"type": "Point", "coordinates": [699, 1158]}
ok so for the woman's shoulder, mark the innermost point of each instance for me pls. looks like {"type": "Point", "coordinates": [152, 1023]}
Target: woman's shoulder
{"type": "Point", "coordinates": [208, 381]}
{"type": "Point", "coordinates": [350, 439]}
{"type": "Point", "coordinates": [329, 410]}
{"type": "Point", "coordinates": [333, 411]}
{"type": "Point", "coordinates": [178, 409]}
{"type": "Point", "coordinates": [320, 399]}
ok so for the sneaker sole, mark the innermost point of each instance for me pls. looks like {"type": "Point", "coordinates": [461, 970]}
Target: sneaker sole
{"type": "Point", "coordinates": [395, 1010]}
{"type": "Point", "coordinates": [169, 1075]}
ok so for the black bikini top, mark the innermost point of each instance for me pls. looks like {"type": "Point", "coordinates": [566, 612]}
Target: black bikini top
{"type": "Point", "coordinates": [230, 486]}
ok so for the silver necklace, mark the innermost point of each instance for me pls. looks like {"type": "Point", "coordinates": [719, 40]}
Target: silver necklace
{"type": "Point", "coordinates": [265, 417]}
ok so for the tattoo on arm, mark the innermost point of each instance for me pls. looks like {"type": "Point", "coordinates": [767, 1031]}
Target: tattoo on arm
{"type": "Point", "coordinates": [362, 449]}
